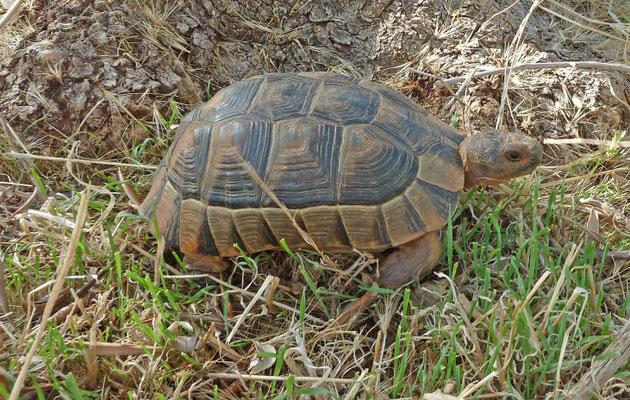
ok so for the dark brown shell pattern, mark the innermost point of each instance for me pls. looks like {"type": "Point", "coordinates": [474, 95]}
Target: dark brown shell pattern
{"type": "Point", "coordinates": [358, 165]}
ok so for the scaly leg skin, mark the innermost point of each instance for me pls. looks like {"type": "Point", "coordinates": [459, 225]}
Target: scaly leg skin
{"type": "Point", "coordinates": [409, 261]}
{"type": "Point", "coordinates": [204, 263]}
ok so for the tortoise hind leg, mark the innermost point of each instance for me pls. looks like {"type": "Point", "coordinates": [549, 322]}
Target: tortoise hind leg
{"type": "Point", "coordinates": [410, 261]}
{"type": "Point", "coordinates": [205, 263]}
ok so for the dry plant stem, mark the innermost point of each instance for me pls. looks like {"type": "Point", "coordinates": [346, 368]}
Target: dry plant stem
{"type": "Point", "coordinates": [462, 88]}
{"type": "Point", "coordinates": [602, 370]}
{"type": "Point", "coordinates": [277, 303]}
{"type": "Point", "coordinates": [520, 308]}
{"type": "Point", "coordinates": [252, 302]}
{"type": "Point", "coordinates": [613, 255]}
{"type": "Point", "coordinates": [446, 85]}
{"type": "Point", "coordinates": [511, 54]}
{"type": "Point", "coordinates": [522, 67]}
{"type": "Point", "coordinates": [565, 341]}
{"type": "Point", "coordinates": [4, 303]}
{"type": "Point", "coordinates": [59, 282]}
{"type": "Point", "coordinates": [596, 142]}
{"type": "Point", "coordinates": [19, 156]}
{"type": "Point", "coordinates": [573, 253]}
{"type": "Point", "coordinates": [464, 316]}
{"type": "Point", "coordinates": [595, 21]}
{"type": "Point", "coordinates": [26, 204]}
{"type": "Point", "coordinates": [14, 141]}
{"type": "Point", "coordinates": [227, 375]}
{"type": "Point", "coordinates": [11, 14]}
{"type": "Point", "coordinates": [17, 184]}
{"type": "Point", "coordinates": [157, 261]}
{"type": "Point", "coordinates": [472, 389]}
{"type": "Point", "coordinates": [626, 41]}
{"type": "Point", "coordinates": [578, 178]}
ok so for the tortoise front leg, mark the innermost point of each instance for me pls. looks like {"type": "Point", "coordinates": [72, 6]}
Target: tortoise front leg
{"type": "Point", "coordinates": [410, 261]}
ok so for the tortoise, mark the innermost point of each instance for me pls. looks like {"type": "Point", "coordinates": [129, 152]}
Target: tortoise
{"type": "Point", "coordinates": [354, 164]}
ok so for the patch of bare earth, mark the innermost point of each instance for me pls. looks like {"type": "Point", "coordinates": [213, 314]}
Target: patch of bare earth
{"type": "Point", "coordinates": [105, 80]}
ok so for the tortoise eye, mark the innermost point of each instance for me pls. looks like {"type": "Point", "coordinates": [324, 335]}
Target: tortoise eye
{"type": "Point", "coordinates": [514, 156]}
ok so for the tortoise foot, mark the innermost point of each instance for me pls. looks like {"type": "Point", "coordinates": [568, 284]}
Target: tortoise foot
{"type": "Point", "coordinates": [204, 263]}
{"type": "Point", "coordinates": [410, 261]}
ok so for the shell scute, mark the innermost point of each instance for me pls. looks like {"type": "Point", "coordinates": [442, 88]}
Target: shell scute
{"type": "Point", "coordinates": [336, 103]}
{"type": "Point", "coordinates": [402, 220]}
{"type": "Point", "coordinates": [187, 154]}
{"type": "Point", "coordinates": [238, 154]}
{"type": "Point", "coordinates": [283, 97]}
{"type": "Point", "coordinates": [373, 170]}
{"type": "Point", "coordinates": [304, 164]}
{"type": "Point", "coordinates": [230, 102]}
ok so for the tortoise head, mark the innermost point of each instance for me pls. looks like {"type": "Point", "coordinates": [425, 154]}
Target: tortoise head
{"type": "Point", "coordinates": [497, 156]}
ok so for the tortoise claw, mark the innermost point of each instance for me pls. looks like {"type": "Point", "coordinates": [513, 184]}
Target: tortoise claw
{"type": "Point", "coordinates": [356, 307]}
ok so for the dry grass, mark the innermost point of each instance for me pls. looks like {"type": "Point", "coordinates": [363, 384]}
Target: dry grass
{"type": "Point", "coordinates": [522, 305]}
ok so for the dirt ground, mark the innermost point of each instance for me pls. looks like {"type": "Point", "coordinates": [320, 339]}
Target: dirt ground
{"type": "Point", "coordinates": [99, 71]}
{"type": "Point", "coordinates": [101, 79]}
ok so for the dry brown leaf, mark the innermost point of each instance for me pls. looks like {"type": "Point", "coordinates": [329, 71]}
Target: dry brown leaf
{"type": "Point", "coordinates": [592, 226]}
{"type": "Point", "coordinates": [257, 364]}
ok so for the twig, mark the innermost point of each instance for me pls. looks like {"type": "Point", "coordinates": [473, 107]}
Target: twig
{"type": "Point", "coordinates": [578, 178]}
{"type": "Point", "coordinates": [454, 95]}
{"type": "Point", "coordinates": [417, 71]}
{"type": "Point", "coordinates": [75, 160]}
{"type": "Point", "coordinates": [462, 88]}
{"type": "Point", "coordinates": [59, 282]}
{"type": "Point", "coordinates": [18, 184]}
{"type": "Point", "coordinates": [521, 67]}
{"type": "Point", "coordinates": [305, 236]}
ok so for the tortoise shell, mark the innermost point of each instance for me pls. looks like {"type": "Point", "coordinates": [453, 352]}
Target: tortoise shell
{"type": "Point", "coordinates": [356, 163]}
